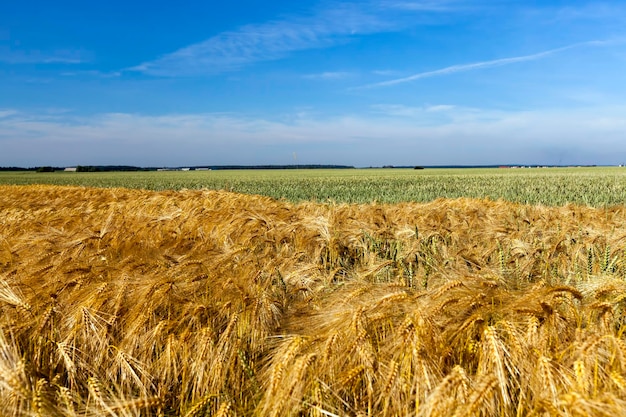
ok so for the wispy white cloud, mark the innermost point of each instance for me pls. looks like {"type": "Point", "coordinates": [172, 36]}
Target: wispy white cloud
{"type": "Point", "coordinates": [92, 73]}
{"type": "Point", "coordinates": [386, 73]}
{"type": "Point", "coordinates": [422, 5]}
{"type": "Point", "coordinates": [400, 110]}
{"type": "Point", "coordinates": [440, 114]}
{"type": "Point", "coordinates": [42, 57]}
{"type": "Point", "coordinates": [489, 64]}
{"type": "Point", "coordinates": [339, 23]}
{"type": "Point", "coordinates": [7, 112]}
{"type": "Point", "coordinates": [592, 11]}
{"type": "Point", "coordinates": [266, 41]}
{"type": "Point", "coordinates": [329, 75]}
{"type": "Point", "coordinates": [440, 107]}
{"type": "Point", "coordinates": [436, 134]}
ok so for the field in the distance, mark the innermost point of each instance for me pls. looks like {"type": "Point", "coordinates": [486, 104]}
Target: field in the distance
{"type": "Point", "coordinates": [550, 186]}
{"type": "Point", "coordinates": [119, 302]}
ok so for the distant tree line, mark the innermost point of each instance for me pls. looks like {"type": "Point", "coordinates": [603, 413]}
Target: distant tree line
{"type": "Point", "coordinates": [15, 169]}
{"type": "Point", "coordinates": [79, 168]}
{"type": "Point", "coordinates": [109, 168]}
{"type": "Point", "coordinates": [100, 168]}
{"type": "Point", "coordinates": [306, 166]}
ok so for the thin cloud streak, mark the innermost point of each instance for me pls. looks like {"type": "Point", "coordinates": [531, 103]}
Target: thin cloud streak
{"type": "Point", "coordinates": [232, 50]}
{"type": "Point", "coordinates": [273, 40]}
{"type": "Point", "coordinates": [39, 57]}
{"type": "Point", "coordinates": [328, 75]}
{"type": "Point", "coordinates": [486, 64]}
{"type": "Point", "coordinates": [421, 5]}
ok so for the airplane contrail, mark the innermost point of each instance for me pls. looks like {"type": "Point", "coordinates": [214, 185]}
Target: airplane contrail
{"type": "Point", "coordinates": [486, 64]}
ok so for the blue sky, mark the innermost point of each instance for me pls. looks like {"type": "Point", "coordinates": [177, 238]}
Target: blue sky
{"type": "Point", "coordinates": [363, 83]}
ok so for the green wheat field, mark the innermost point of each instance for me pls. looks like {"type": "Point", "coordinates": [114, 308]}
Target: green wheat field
{"type": "Point", "coordinates": [595, 186]}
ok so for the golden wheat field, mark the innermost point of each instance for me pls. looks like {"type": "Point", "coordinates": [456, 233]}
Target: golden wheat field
{"type": "Point", "coordinates": [117, 302]}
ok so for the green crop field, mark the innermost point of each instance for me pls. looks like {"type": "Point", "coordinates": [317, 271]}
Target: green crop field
{"type": "Point", "coordinates": [549, 186]}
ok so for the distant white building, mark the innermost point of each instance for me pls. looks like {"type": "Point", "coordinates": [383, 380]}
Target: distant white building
{"type": "Point", "coordinates": [70, 169]}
